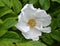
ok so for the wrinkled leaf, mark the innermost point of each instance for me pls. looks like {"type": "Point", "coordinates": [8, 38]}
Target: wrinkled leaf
{"type": "Point", "coordinates": [9, 22]}
{"type": "Point", "coordinates": [16, 6]}
{"type": "Point", "coordinates": [4, 10]}
{"type": "Point", "coordinates": [7, 3]}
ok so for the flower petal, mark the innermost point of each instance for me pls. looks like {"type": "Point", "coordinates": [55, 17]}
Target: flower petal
{"type": "Point", "coordinates": [28, 7]}
{"type": "Point", "coordinates": [46, 29]}
{"type": "Point", "coordinates": [29, 11]}
{"type": "Point", "coordinates": [33, 33]}
{"type": "Point", "coordinates": [35, 39]}
{"type": "Point", "coordinates": [22, 27]}
{"type": "Point", "coordinates": [45, 23]}
{"type": "Point", "coordinates": [42, 18]}
{"type": "Point", "coordinates": [22, 17]}
{"type": "Point", "coordinates": [41, 13]}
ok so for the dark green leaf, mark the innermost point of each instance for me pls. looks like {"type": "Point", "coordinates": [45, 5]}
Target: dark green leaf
{"type": "Point", "coordinates": [45, 4]}
{"type": "Point", "coordinates": [25, 1]}
{"type": "Point", "coordinates": [11, 35]}
{"type": "Point", "coordinates": [56, 1]}
{"type": "Point", "coordinates": [56, 35]}
{"type": "Point", "coordinates": [47, 39]}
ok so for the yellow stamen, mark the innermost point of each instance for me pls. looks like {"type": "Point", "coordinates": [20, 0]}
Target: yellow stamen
{"type": "Point", "coordinates": [31, 22]}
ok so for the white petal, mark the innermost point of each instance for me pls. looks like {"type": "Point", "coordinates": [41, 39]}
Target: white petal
{"type": "Point", "coordinates": [22, 27]}
{"type": "Point", "coordinates": [41, 13]}
{"type": "Point", "coordinates": [45, 22]}
{"type": "Point", "coordinates": [28, 11]}
{"type": "Point", "coordinates": [42, 18]}
{"type": "Point", "coordinates": [28, 6]}
{"type": "Point", "coordinates": [35, 39]}
{"type": "Point", "coordinates": [46, 29]}
{"type": "Point", "coordinates": [22, 17]}
{"type": "Point", "coordinates": [42, 22]}
{"type": "Point", "coordinates": [33, 33]}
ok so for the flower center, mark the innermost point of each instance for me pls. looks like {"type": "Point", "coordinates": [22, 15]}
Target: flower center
{"type": "Point", "coordinates": [32, 22]}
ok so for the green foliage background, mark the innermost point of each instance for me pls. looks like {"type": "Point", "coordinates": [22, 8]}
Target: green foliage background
{"type": "Point", "coordinates": [9, 11]}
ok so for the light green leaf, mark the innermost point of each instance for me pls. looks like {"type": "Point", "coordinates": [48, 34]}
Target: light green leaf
{"type": "Point", "coordinates": [45, 4]}
{"type": "Point", "coordinates": [11, 36]}
{"type": "Point", "coordinates": [7, 3]}
{"type": "Point", "coordinates": [2, 30]}
{"type": "Point", "coordinates": [4, 10]}
{"type": "Point", "coordinates": [6, 43]}
{"type": "Point", "coordinates": [16, 6]}
{"type": "Point", "coordinates": [9, 22]}
{"type": "Point", "coordinates": [31, 43]}
{"type": "Point", "coordinates": [1, 22]}
{"type": "Point", "coordinates": [1, 3]}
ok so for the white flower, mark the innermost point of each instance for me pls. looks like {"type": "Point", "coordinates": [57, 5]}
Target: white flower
{"type": "Point", "coordinates": [32, 22]}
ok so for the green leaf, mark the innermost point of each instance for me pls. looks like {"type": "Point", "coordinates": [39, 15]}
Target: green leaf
{"type": "Point", "coordinates": [6, 43]}
{"type": "Point", "coordinates": [1, 22]}
{"type": "Point", "coordinates": [16, 6]}
{"type": "Point", "coordinates": [25, 1]}
{"type": "Point", "coordinates": [56, 35]}
{"type": "Point", "coordinates": [55, 23]}
{"type": "Point", "coordinates": [9, 22]}
{"type": "Point", "coordinates": [1, 4]}
{"type": "Point", "coordinates": [11, 36]}
{"type": "Point", "coordinates": [47, 39]}
{"type": "Point", "coordinates": [2, 30]}
{"type": "Point", "coordinates": [9, 15]}
{"type": "Point", "coordinates": [4, 10]}
{"type": "Point", "coordinates": [31, 43]}
{"type": "Point", "coordinates": [7, 3]}
{"type": "Point", "coordinates": [55, 19]}
{"type": "Point", "coordinates": [45, 4]}
{"type": "Point", "coordinates": [56, 1]}
{"type": "Point", "coordinates": [33, 1]}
